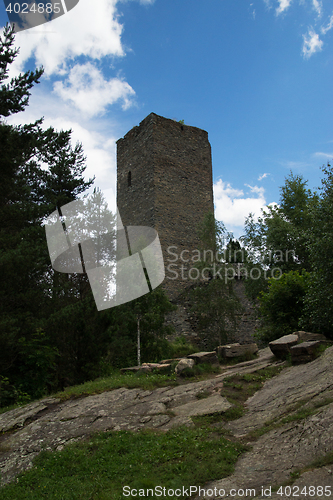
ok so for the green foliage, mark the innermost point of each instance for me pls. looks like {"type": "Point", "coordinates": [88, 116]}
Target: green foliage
{"type": "Point", "coordinates": [234, 252]}
{"type": "Point", "coordinates": [116, 380]}
{"type": "Point", "coordinates": [280, 308]}
{"type": "Point", "coordinates": [180, 348]}
{"type": "Point", "coordinates": [122, 331]}
{"type": "Point", "coordinates": [212, 235]}
{"type": "Point", "coordinates": [198, 370]}
{"type": "Point", "coordinates": [279, 239]}
{"type": "Point", "coordinates": [213, 302]}
{"type": "Point", "coordinates": [318, 310]}
{"type": "Point", "coordinates": [101, 467]}
{"type": "Point", "coordinates": [51, 334]}
{"type": "Point", "coordinates": [215, 306]}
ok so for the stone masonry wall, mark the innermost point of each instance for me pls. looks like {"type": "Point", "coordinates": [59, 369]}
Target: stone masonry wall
{"type": "Point", "coordinates": [170, 189]}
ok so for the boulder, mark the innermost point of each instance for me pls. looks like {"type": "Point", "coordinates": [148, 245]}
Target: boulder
{"type": "Point", "coordinates": [162, 367]}
{"type": "Point", "coordinates": [304, 352]}
{"type": "Point", "coordinates": [169, 361]}
{"type": "Point", "coordinates": [184, 363]}
{"type": "Point", "coordinates": [306, 336]}
{"type": "Point", "coordinates": [281, 347]}
{"type": "Point", "coordinates": [235, 350]}
{"type": "Point", "coordinates": [204, 357]}
{"type": "Point", "coordinates": [134, 369]}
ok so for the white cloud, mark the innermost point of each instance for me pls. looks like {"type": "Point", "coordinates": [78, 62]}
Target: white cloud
{"type": "Point", "coordinates": [91, 30]}
{"type": "Point", "coordinates": [283, 5]}
{"type": "Point", "coordinates": [318, 6]}
{"type": "Point", "coordinates": [263, 176]}
{"type": "Point", "coordinates": [291, 165]}
{"type": "Point", "coordinates": [324, 155]}
{"type": "Point", "coordinates": [311, 44]}
{"type": "Point", "coordinates": [232, 206]}
{"type": "Point", "coordinates": [328, 27]}
{"type": "Point", "coordinates": [257, 189]}
{"type": "Point", "coordinates": [87, 89]}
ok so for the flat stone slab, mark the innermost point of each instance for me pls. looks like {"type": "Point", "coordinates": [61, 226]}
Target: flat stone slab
{"type": "Point", "coordinates": [204, 357]}
{"type": "Point", "coordinates": [304, 352]}
{"type": "Point", "coordinates": [307, 336]}
{"type": "Point", "coordinates": [135, 369]}
{"type": "Point", "coordinates": [206, 406]}
{"type": "Point", "coordinates": [235, 350]}
{"type": "Point", "coordinates": [281, 347]}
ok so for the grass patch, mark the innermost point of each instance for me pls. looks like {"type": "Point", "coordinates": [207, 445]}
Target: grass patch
{"type": "Point", "coordinates": [98, 469]}
{"type": "Point", "coordinates": [200, 370]}
{"type": "Point", "coordinates": [147, 381]}
{"type": "Point", "coordinates": [239, 359]}
{"type": "Point", "coordinates": [181, 348]}
{"type": "Point", "coordinates": [239, 387]}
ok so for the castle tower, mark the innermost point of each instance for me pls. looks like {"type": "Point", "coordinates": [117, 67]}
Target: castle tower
{"type": "Point", "coordinates": [164, 180]}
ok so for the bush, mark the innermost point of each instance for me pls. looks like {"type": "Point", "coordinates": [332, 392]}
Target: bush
{"type": "Point", "coordinates": [281, 307]}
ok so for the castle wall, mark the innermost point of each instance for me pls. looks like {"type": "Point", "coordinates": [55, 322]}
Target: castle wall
{"type": "Point", "coordinates": [171, 189]}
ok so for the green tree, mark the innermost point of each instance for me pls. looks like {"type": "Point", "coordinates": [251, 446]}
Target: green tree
{"type": "Point", "coordinates": [318, 309]}
{"type": "Point", "coordinates": [279, 238]}
{"type": "Point", "coordinates": [213, 301]}
{"type": "Point", "coordinates": [150, 310]}
{"type": "Point", "coordinates": [28, 194]}
{"type": "Point", "coordinates": [281, 307]}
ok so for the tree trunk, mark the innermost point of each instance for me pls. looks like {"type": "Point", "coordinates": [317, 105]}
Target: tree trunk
{"type": "Point", "coordinates": [138, 329]}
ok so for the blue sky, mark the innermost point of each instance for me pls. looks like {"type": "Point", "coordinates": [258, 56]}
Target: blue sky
{"type": "Point", "coordinates": [256, 74]}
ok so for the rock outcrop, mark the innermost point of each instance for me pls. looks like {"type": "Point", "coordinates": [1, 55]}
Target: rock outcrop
{"type": "Point", "coordinates": [297, 406]}
{"type": "Point", "coordinates": [288, 423]}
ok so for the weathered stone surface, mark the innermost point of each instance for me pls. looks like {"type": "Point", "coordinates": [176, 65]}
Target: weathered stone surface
{"type": "Point", "coordinates": [316, 478]}
{"type": "Point", "coordinates": [51, 426]}
{"type": "Point", "coordinates": [171, 194]}
{"type": "Point", "coordinates": [204, 357]}
{"type": "Point", "coordinates": [221, 348]}
{"type": "Point", "coordinates": [291, 446]}
{"type": "Point", "coordinates": [160, 367]}
{"type": "Point", "coordinates": [280, 395]}
{"type": "Point", "coordinates": [304, 352]}
{"type": "Point", "coordinates": [282, 451]}
{"type": "Point", "coordinates": [169, 361]}
{"type": "Point", "coordinates": [281, 347]}
{"type": "Point", "coordinates": [206, 406]}
{"type": "Point", "coordinates": [135, 369]}
{"type": "Point", "coordinates": [235, 350]}
{"type": "Point", "coordinates": [307, 336]}
{"type": "Point", "coordinates": [16, 418]}
{"type": "Point", "coordinates": [184, 363]}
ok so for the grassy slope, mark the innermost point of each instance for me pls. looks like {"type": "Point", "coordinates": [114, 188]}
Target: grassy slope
{"type": "Point", "coordinates": [99, 467]}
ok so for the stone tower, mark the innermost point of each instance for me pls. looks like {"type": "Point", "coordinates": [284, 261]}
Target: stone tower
{"type": "Point", "coordinates": [164, 180]}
